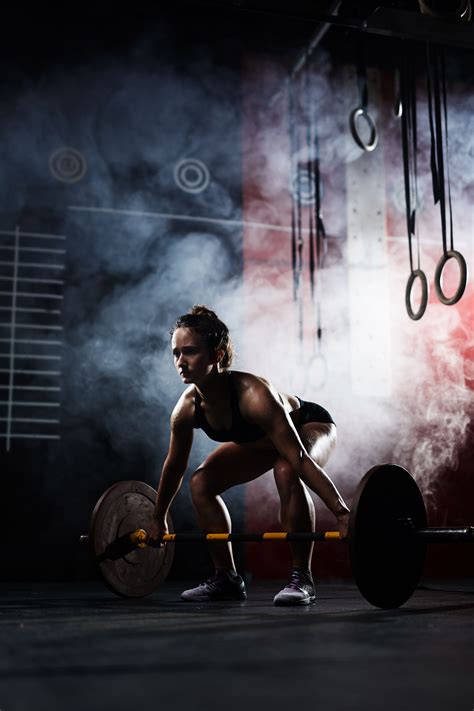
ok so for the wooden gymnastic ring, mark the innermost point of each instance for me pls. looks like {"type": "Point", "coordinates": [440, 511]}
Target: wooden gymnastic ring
{"type": "Point", "coordinates": [416, 315]}
{"type": "Point", "coordinates": [462, 280]}
{"type": "Point", "coordinates": [371, 145]}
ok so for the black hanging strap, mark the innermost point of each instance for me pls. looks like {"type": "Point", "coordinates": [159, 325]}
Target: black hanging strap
{"type": "Point", "coordinates": [445, 107]}
{"type": "Point", "coordinates": [438, 114]}
{"type": "Point", "coordinates": [320, 230]}
{"type": "Point", "coordinates": [409, 145]}
{"type": "Point", "coordinates": [438, 123]}
{"type": "Point", "coordinates": [433, 161]}
{"type": "Point", "coordinates": [292, 131]}
{"type": "Point", "coordinates": [296, 201]}
{"type": "Point", "coordinates": [362, 74]}
{"type": "Point", "coordinates": [310, 166]}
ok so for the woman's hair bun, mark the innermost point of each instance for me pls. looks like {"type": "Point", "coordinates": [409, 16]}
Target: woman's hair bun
{"type": "Point", "coordinates": [214, 331]}
{"type": "Point", "coordinates": [201, 310]}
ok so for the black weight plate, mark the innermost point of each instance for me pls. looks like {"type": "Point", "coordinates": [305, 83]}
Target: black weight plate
{"type": "Point", "coordinates": [127, 571]}
{"type": "Point", "coordinates": [386, 558]}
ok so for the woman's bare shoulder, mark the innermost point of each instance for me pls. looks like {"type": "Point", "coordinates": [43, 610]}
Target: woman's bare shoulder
{"type": "Point", "coordinates": [183, 411]}
{"type": "Point", "coordinates": [249, 383]}
{"type": "Point", "coordinates": [246, 380]}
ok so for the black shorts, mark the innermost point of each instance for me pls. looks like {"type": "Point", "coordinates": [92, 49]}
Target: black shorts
{"type": "Point", "coordinates": [311, 412]}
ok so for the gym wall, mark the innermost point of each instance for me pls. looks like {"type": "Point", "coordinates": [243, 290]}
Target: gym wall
{"type": "Point", "coordinates": [399, 390]}
{"type": "Point", "coordinates": [120, 209]}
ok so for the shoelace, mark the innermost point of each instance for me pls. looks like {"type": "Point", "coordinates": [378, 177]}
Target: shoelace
{"type": "Point", "coordinates": [297, 581]}
{"type": "Point", "coordinates": [214, 582]}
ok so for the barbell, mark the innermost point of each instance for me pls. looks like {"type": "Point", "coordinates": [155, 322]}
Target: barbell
{"type": "Point", "coordinates": [387, 537]}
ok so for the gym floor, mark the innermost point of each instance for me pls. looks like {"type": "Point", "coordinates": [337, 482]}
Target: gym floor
{"type": "Point", "coordinates": [78, 647]}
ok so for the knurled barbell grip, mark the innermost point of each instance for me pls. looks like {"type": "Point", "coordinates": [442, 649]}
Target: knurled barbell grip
{"type": "Point", "coordinates": [140, 536]}
{"type": "Point", "coordinates": [248, 537]}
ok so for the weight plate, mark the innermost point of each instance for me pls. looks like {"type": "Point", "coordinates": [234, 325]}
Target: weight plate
{"type": "Point", "coordinates": [387, 559]}
{"type": "Point", "coordinates": [126, 570]}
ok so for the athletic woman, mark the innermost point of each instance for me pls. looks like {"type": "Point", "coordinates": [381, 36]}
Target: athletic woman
{"type": "Point", "coordinates": [260, 429]}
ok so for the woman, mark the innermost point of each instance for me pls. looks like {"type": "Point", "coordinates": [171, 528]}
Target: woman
{"type": "Point", "coordinates": [260, 429]}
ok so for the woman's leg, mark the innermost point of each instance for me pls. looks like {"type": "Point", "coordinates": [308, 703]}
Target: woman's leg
{"type": "Point", "coordinates": [229, 465]}
{"type": "Point", "coordinates": [297, 509]}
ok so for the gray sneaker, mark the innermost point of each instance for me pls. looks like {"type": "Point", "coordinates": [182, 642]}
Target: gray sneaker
{"type": "Point", "coordinates": [222, 586]}
{"type": "Point", "coordinates": [299, 591]}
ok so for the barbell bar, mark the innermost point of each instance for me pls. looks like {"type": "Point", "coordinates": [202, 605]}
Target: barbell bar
{"type": "Point", "coordinates": [447, 534]}
{"type": "Point", "coordinates": [387, 537]}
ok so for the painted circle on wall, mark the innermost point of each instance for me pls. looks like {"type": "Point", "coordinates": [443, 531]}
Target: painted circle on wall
{"type": "Point", "coordinates": [67, 165]}
{"type": "Point", "coordinates": [307, 187]}
{"type": "Point", "coordinates": [399, 198]}
{"type": "Point", "coordinates": [191, 175]}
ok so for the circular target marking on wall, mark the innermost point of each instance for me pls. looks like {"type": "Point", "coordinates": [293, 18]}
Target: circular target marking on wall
{"type": "Point", "coordinates": [67, 165]}
{"type": "Point", "coordinates": [399, 199]}
{"type": "Point", "coordinates": [307, 187]}
{"type": "Point", "coordinates": [191, 175]}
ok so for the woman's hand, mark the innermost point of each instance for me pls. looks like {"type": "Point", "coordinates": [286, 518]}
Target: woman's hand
{"type": "Point", "coordinates": [343, 524]}
{"type": "Point", "coordinates": [158, 528]}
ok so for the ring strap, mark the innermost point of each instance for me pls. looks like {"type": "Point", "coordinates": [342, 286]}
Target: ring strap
{"type": "Point", "coordinates": [293, 174]}
{"type": "Point", "coordinates": [409, 145]}
{"type": "Point", "coordinates": [362, 74]}
{"type": "Point", "coordinates": [437, 102]}
{"type": "Point", "coordinates": [410, 172]}
{"type": "Point", "coordinates": [438, 113]}
{"type": "Point", "coordinates": [310, 172]}
{"type": "Point", "coordinates": [317, 232]}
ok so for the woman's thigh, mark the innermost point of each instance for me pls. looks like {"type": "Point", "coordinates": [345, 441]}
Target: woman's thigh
{"type": "Point", "coordinates": [232, 464]}
{"type": "Point", "coordinates": [319, 439]}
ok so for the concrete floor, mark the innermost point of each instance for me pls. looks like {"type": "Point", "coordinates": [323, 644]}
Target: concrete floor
{"type": "Point", "coordinates": [76, 647]}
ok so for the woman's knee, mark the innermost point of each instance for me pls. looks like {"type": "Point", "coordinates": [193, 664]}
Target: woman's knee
{"type": "Point", "coordinates": [287, 480]}
{"type": "Point", "coordinates": [201, 484]}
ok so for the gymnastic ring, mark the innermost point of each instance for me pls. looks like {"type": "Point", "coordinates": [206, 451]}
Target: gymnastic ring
{"type": "Point", "coordinates": [462, 280]}
{"type": "Point", "coordinates": [374, 139]}
{"type": "Point", "coordinates": [416, 315]}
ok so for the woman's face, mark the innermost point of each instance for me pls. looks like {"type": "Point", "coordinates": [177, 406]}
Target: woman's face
{"type": "Point", "coordinates": [191, 356]}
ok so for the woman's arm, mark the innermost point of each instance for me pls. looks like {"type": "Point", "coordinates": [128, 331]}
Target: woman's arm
{"type": "Point", "coordinates": [261, 406]}
{"type": "Point", "coordinates": [174, 467]}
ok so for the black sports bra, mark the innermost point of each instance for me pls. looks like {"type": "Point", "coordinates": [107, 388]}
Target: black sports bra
{"type": "Point", "coordinates": [240, 431]}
